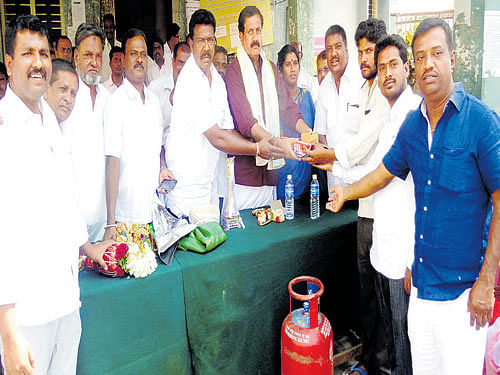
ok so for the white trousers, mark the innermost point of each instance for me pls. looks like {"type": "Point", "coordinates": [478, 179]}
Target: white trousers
{"type": "Point", "coordinates": [54, 345]}
{"type": "Point", "coordinates": [442, 340]}
{"type": "Point", "coordinates": [253, 197]}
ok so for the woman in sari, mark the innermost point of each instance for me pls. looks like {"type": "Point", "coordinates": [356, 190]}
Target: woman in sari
{"type": "Point", "coordinates": [289, 66]}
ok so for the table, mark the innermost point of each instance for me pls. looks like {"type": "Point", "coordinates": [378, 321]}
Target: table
{"type": "Point", "coordinates": [236, 297]}
{"type": "Point", "coordinates": [133, 326]}
{"type": "Point", "coordinates": [220, 312]}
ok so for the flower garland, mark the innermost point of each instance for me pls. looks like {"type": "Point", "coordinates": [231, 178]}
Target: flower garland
{"type": "Point", "coordinates": [134, 254]}
{"type": "Point", "coordinates": [140, 260]}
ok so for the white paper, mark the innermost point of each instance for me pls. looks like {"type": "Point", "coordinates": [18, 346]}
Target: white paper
{"type": "Point", "coordinates": [235, 41]}
{"type": "Point", "coordinates": [491, 55]}
{"type": "Point", "coordinates": [221, 31]}
{"type": "Point", "coordinates": [233, 29]}
{"type": "Point", "coordinates": [191, 7]}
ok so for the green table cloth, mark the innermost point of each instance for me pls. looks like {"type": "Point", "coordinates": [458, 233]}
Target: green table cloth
{"type": "Point", "coordinates": [133, 326]}
{"type": "Point", "coordinates": [236, 297]}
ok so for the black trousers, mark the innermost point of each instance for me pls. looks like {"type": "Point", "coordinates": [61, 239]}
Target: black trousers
{"type": "Point", "coordinates": [375, 355]}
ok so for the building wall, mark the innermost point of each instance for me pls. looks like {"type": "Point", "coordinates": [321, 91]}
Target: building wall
{"type": "Point", "coordinates": [344, 13]}
{"type": "Point", "coordinates": [490, 90]}
{"type": "Point", "coordinates": [468, 43]}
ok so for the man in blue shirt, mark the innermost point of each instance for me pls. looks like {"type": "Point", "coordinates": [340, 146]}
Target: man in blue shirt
{"type": "Point", "coordinates": [451, 145]}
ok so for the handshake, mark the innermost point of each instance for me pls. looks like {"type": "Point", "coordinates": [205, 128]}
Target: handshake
{"type": "Point", "coordinates": [310, 150]}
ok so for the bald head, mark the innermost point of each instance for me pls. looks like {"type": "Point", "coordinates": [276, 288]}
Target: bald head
{"type": "Point", "coordinates": [298, 47]}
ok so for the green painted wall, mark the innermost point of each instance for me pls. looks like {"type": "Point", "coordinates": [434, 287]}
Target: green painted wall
{"type": "Point", "coordinates": [300, 28]}
{"type": "Point", "coordinates": [468, 40]}
{"type": "Point", "coordinates": [96, 9]}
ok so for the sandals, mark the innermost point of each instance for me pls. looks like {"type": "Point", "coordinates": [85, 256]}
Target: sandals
{"type": "Point", "coordinates": [355, 369]}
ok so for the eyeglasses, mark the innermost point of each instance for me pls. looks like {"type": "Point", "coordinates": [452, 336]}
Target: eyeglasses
{"type": "Point", "coordinates": [210, 40]}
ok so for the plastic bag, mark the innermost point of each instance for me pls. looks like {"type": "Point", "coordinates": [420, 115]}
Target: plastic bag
{"type": "Point", "coordinates": [168, 230]}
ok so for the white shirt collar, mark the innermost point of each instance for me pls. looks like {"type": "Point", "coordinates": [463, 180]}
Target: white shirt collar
{"type": "Point", "coordinates": [132, 92]}
{"type": "Point", "coordinates": [401, 103]}
{"type": "Point", "coordinates": [193, 67]}
{"type": "Point", "coordinates": [23, 113]}
{"type": "Point", "coordinates": [348, 77]}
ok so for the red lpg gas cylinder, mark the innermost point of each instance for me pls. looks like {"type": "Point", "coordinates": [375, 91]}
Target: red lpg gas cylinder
{"type": "Point", "coordinates": [306, 334]}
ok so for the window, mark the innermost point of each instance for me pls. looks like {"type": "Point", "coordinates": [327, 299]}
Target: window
{"type": "Point", "coordinates": [49, 11]}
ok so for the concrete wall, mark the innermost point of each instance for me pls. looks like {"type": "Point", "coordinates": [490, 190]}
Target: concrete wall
{"type": "Point", "coordinates": [468, 42]}
{"type": "Point", "coordinates": [280, 28]}
{"type": "Point", "coordinates": [345, 13]}
{"type": "Point", "coordinates": [490, 90]}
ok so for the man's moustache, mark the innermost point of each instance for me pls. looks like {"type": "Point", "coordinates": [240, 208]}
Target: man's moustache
{"type": "Point", "coordinates": [37, 71]}
{"type": "Point", "coordinates": [206, 54]}
{"type": "Point", "coordinates": [255, 44]}
{"type": "Point", "coordinates": [139, 65]}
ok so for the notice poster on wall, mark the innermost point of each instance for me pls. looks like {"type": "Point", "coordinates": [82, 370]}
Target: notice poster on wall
{"type": "Point", "coordinates": [226, 14]}
{"type": "Point", "coordinates": [191, 7]}
{"type": "Point", "coordinates": [491, 54]}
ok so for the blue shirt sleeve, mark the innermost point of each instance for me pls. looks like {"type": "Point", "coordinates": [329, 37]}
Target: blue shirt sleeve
{"type": "Point", "coordinates": [395, 161]}
{"type": "Point", "coordinates": [488, 151]}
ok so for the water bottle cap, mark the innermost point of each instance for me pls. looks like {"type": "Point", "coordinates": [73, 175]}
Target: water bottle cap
{"type": "Point", "coordinates": [289, 177]}
{"type": "Point", "coordinates": [315, 177]}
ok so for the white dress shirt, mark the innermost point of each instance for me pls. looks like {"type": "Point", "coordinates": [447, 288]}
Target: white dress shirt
{"type": "Point", "coordinates": [133, 133]}
{"type": "Point", "coordinates": [393, 206]}
{"type": "Point", "coordinates": [168, 55]}
{"type": "Point", "coordinates": [110, 85]}
{"type": "Point", "coordinates": [338, 113]}
{"type": "Point", "coordinates": [307, 81]}
{"type": "Point", "coordinates": [373, 106]}
{"type": "Point", "coordinates": [359, 148]}
{"type": "Point", "coordinates": [83, 131]}
{"type": "Point", "coordinates": [189, 154]}
{"type": "Point", "coordinates": [154, 72]}
{"type": "Point", "coordinates": [106, 69]}
{"type": "Point", "coordinates": [162, 88]}
{"type": "Point", "coordinates": [40, 225]}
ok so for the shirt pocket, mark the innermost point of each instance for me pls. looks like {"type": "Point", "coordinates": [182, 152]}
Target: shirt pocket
{"type": "Point", "coordinates": [459, 171]}
{"type": "Point", "coordinates": [353, 116]}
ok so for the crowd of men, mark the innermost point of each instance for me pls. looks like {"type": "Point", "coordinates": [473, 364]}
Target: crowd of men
{"type": "Point", "coordinates": [93, 133]}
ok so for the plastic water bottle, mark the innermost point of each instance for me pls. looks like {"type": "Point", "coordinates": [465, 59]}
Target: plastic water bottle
{"type": "Point", "coordinates": [289, 198]}
{"type": "Point", "coordinates": [314, 197]}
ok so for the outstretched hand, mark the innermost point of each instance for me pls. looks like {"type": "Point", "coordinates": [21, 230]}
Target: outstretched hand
{"type": "Point", "coordinates": [269, 148]}
{"type": "Point", "coordinates": [285, 144]}
{"type": "Point", "coordinates": [320, 154]}
{"type": "Point", "coordinates": [336, 199]}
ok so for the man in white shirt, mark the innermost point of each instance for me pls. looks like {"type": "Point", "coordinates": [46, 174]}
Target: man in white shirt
{"type": "Point", "coordinates": [337, 109]}
{"type": "Point", "coordinates": [83, 130]}
{"type": "Point", "coordinates": [157, 66]}
{"type": "Point", "coordinates": [61, 91]}
{"type": "Point", "coordinates": [132, 142]}
{"type": "Point", "coordinates": [39, 294]}
{"type": "Point", "coordinates": [168, 47]}
{"type": "Point", "coordinates": [352, 145]}
{"type": "Point", "coordinates": [321, 66]}
{"type": "Point", "coordinates": [110, 41]}
{"type": "Point", "coordinates": [391, 253]}
{"type": "Point", "coordinates": [306, 80]}
{"type": "Point", "coordinates": [164, 86]}
{"type": "Point", "coordinates": [220, 60]}
{"type": "Point", "coordinates": [196, 136]}
{"type": "Point", "coordinates": [116, 65]}
{"type": "Point", "coordinates": [64, 49]}
{"type": "Point", "coordinates": [4, 78]}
